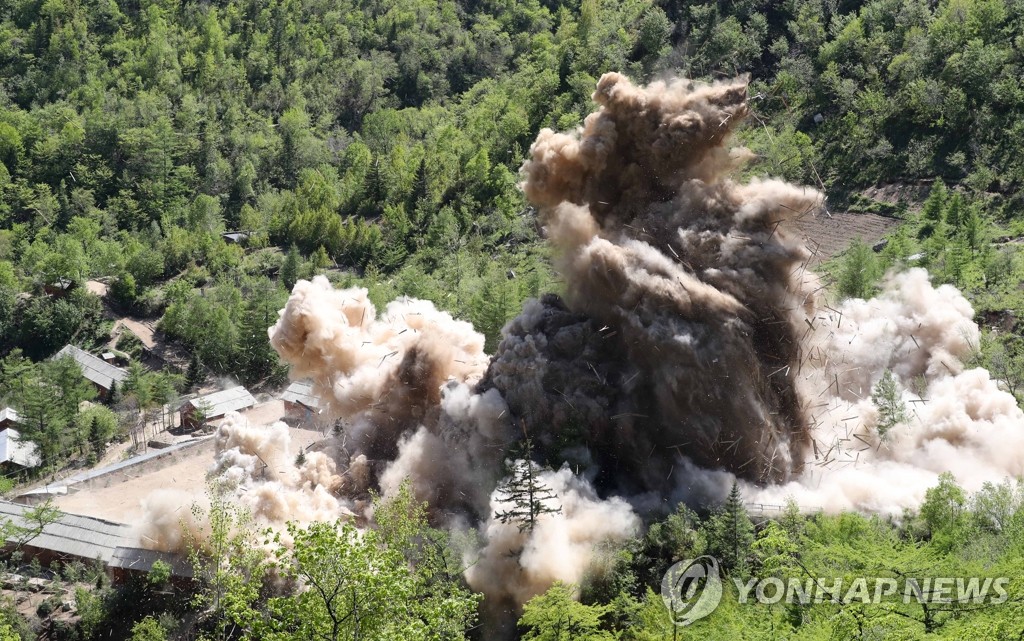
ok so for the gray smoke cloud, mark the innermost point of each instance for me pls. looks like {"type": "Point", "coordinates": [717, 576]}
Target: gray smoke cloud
{"type": "Point", "coordinates": [692, 348]}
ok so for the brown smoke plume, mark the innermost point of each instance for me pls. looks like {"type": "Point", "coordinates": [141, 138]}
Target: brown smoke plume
{"type": "Point", "coordinates": [680, 335]}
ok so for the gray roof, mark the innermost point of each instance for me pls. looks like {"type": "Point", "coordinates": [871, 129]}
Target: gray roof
{"type": "Point", "coordinates": [15, 450]}
{"type": "Point", "coordinates": [95, 369]}
{"type": "Point", "coordinates": [81, 536]}
{"type": "Point", "coordinates": [301, 392]}
{"type": "Point", "coordinates": [141, 560]}
{"type": "Point", "coordinates": [8, 414]}
{"type": "Point", "coordinates": [220, 403]}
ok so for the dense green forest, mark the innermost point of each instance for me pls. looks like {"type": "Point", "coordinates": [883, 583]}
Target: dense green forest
{"type": "Point", "coordinates": [379, 142]}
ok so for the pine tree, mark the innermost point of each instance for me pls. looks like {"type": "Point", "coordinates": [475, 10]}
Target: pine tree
{"type": "Point", "coordinates": [973, 228]}
{"type": "Point", "coordinates": [859, 271]}
{"type": "Point", "coordinates": [886, 397]}
{"type": "Point", "coordinates": [290, 268]}
{"type": "Point", "coordinates": [956, 213]}
{"type": "Point", "coordinates": [41, 418]}
{"type": "Point", "coordinates": [530, 497]}
{"type": "Point", "coordinates": [97, 437]}
{"type": "Point", "coordinates": [257, 360]}
{"type": "Point", "coordinates": [732, 532]}
{"type": "Point", "coordinates": [114, 397]}
{"type": "Point", "coordinates": [935, 204]}
{"type": "Point", "coordinates": [195, 376]}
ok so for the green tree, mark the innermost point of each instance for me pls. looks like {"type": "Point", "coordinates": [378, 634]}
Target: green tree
{"type": "Point", "coordinates": [944, 513]}
{"type": "Point", "coordinates": [731, 533]}
{"type": "Point", "coordinates": [290, 268]}
{"type": "Point", "coordinates": [195, 374]}
{"type": "Point", "coordinates": [228, 565]}
{"type": "Point", "coordinates": [257, 360]}
{"type": "Point", "coordinates": [858, 271]}
{"type": "Point", "coordinates": [933, 211]}
{"type": "Point", "coordinates": [124, 291]}
{"type": "Point", "coordinates": [444, 602]}
{"type": "Point", "coordinates": [96, 426]}
{"type": "Point", "coordinates": [887, 399]}
{"type": "Point", "coordinates": [557, 616]}
{"type": "Point", "coordinates": [32, 523]}
{"type": "Point", "coordinates": [357, 587]}
{"type": "Point", "coordinates": [148, 629]}
{"type": "Point", "coordinates": [527, 496]}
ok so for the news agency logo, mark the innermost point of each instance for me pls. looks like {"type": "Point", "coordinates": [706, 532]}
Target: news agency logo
{"type": "Point", "coordinates": [692, 589]}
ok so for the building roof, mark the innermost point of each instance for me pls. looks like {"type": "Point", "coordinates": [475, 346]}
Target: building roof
{"type": "Point", "coordinates": [15, 450]}
{"type": "Point", "coordinates": [301, 392]}
{"type": "Point", "coordinates": [81, 536]}
{"type": "Point", "coordinates": [235, 236]}
{"type": "Point", "coordinates": [142, 560]}
{"type": "Point", "coordinates": [220, 403]}
{"type": "Point", "coordinates": [8, 414]}
{"type": "Point", "coordinates": [95, 369]}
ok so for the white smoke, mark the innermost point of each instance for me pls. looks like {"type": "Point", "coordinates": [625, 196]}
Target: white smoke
{"type": "Point", "coordinates": [958, 420]}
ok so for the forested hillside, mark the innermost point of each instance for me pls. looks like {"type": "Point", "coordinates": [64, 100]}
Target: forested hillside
{"type": "Point", "coordinates": [380, 142]}
{"type": "Point", "coordinates": [385, 138]}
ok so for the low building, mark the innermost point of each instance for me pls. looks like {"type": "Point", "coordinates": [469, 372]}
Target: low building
{"type": "Point", "coordinates": [235, 237]}
{"type": "Point", "coordinates": [15, 452]}
{"type": "Point", "coordinates": [69, 537]}
{"type": "Point", "coordinates": [8, 418]}
{"type": "Point", "coordinates": [203, 409]}
{"type": "Point", "coordinates": [301, 406]}
{"type": "Point", "coordinates": [60, 287]}
{"type": "Point", "coordinates": [132, 562]}
{"type": "Point", "coordinates": [101, 374]}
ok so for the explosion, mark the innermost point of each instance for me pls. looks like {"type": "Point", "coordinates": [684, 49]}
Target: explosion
{"type": "Point", "coordinates": [693, 348]}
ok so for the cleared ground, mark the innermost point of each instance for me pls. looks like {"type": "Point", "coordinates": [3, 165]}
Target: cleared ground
{"type": "Point", "coordinates": [829, 235]}
{"type": "Point", "coordinates": [122, 501]}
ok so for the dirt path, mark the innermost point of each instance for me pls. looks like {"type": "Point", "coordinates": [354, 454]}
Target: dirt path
{"type": "Point", "coordinates": [144, 329]}
{"type": "Point", "coordinates": [96, 287]}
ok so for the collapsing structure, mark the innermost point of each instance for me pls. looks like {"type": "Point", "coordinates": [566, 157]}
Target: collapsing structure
{"type": "Point", "coordinates": [302, 406]}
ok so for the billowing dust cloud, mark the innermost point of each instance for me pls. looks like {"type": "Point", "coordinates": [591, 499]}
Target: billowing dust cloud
{"type": "Point", "coordinates": [692, 348]}
{"type": "Point", "coordinates": [957, 420]}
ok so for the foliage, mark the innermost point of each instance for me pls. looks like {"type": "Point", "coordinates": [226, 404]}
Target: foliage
{"type": "Point", "coordinates": [33, 522]}
{"type": "Point", "coordinates": [858, 272]}
{"type": "Point", "coordinates": [731, 533]}
{"type": "Point", "coordinates": [148, 629]}
{"type": "Point", "coordinates": [891, 409]}
{"type": "Point", "coordinates": [527, 495]}
{"type": "Point", "coordinates": [401, 580]}
{"type": "Point", "coordinates": [228, 563]}
{"type": "Point", "coordinates": [557, 616]}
